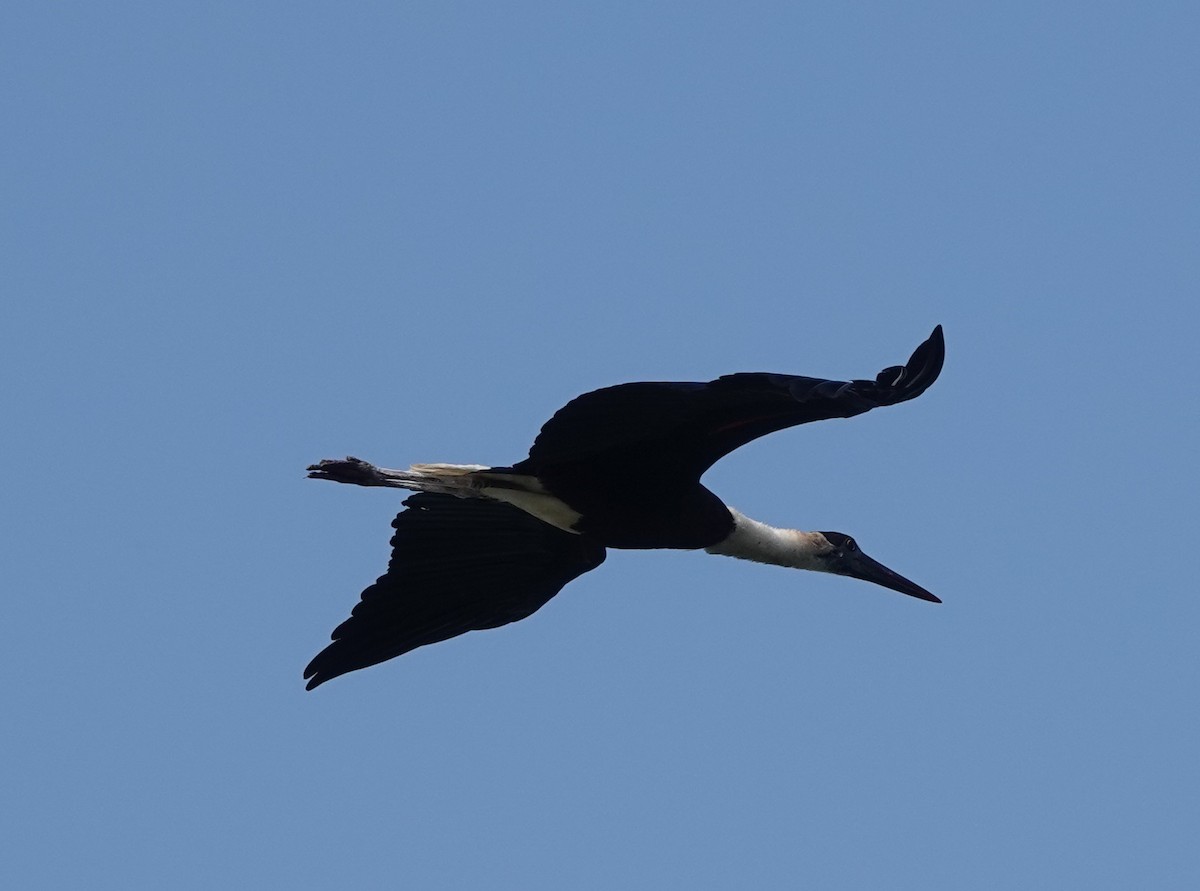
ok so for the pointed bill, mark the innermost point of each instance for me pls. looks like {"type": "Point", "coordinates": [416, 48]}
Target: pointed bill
{"type": "Point", "coordinates": [858, 565]}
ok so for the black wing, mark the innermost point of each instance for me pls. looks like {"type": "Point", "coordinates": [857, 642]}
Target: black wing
{"type": "Point", "coordinates": [687, 427]}
{"type": "Point", "coordinates": [457, 565]}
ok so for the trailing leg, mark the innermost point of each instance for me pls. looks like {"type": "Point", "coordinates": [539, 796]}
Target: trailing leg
{"type": "Point", "coordinates": [447, 479]}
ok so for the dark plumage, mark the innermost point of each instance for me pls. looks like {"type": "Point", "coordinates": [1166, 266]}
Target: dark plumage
{"type": "Point", "coordinates": [457, 565]}
{"type": "Point", "coordinates": [618, 467]}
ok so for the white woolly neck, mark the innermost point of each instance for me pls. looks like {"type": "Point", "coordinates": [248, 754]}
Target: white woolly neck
{"type": "Point", "coordinates": [752, 540]}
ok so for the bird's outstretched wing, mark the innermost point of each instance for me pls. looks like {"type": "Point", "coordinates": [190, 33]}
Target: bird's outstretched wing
{"type": "Point", "coordinates": [457, 565]}
{"type": "Point", "coordinates": [684, 428]}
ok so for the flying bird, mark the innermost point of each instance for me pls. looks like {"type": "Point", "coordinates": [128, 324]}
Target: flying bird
{"type": "Point", "coordinates": [478, 547]}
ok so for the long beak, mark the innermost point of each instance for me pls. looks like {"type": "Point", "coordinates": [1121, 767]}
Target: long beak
{"type": "Point", "coordinates": [860, 566]}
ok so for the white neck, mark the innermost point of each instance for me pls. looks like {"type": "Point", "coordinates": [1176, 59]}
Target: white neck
{"type": "Point", "coordinates": [752, 540]}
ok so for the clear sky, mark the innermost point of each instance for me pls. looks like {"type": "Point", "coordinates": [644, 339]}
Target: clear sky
{"type": "Point", "coordinates": [240, 237]}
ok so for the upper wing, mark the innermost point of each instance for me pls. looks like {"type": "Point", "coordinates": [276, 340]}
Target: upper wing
{"type": "Point", "coordinates": [688, 426]}
{"type": "Point", "coordinates": [457, 565]}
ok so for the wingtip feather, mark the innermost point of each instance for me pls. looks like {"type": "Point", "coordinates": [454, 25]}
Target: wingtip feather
{"type": "Point", "coordinates": [925, 364]}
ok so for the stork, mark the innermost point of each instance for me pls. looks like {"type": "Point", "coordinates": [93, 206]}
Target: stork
{"type": "Point", "coordinates": [478, 547]}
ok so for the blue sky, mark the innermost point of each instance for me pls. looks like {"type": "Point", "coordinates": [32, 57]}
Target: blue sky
{"type": "Point", "coordinates": [242, 237]}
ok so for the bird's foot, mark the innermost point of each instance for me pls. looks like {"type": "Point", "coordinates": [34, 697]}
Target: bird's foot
{"type": "Point", "coordinates": [349, 470]}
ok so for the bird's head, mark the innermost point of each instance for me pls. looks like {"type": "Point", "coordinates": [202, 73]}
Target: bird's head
{"type": "Point", "coordinates": [839, 553]}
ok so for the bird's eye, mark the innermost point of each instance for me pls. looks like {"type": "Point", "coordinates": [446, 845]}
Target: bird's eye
{"type": "Point", "coordinates": [851, 546]}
